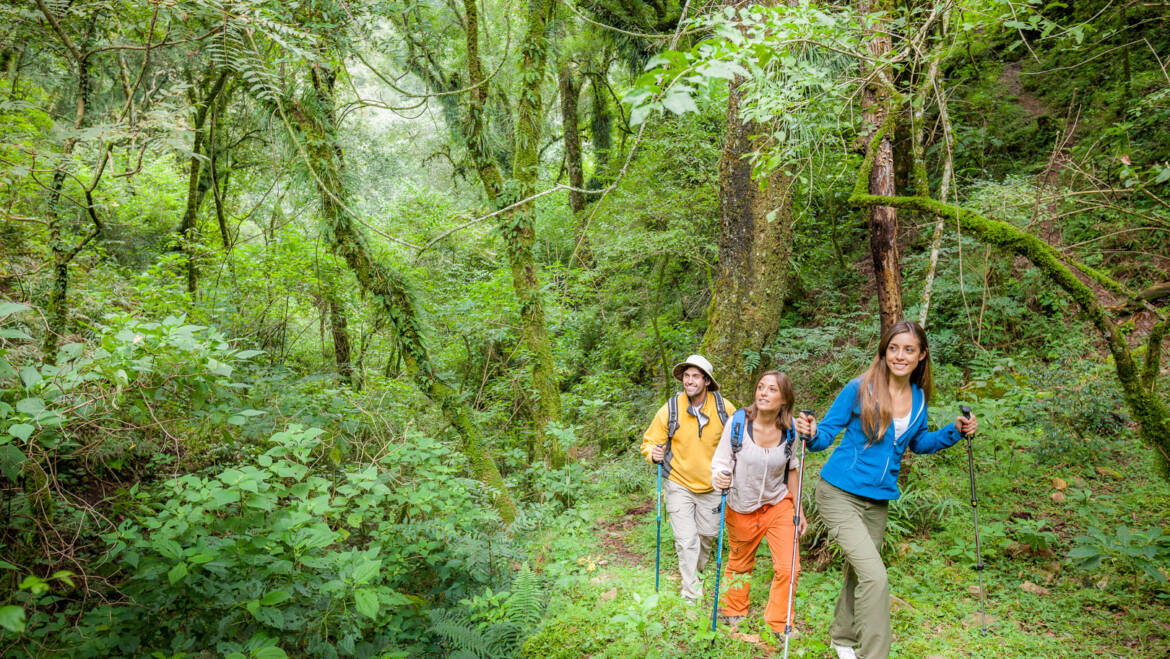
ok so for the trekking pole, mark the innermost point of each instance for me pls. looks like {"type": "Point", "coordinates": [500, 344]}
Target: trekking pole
{"type": "Point", "coordinates": [975, 515]}
{"type": "Point", "coordinates": [658, 540]}
{"type": "Point", "coordinates": [795, 538]}
{"type": "Point", "coordinates": [719, 553]}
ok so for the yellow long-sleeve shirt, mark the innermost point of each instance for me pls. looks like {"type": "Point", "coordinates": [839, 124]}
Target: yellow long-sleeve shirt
{"type": "Point", "coordinates": [688, 458]}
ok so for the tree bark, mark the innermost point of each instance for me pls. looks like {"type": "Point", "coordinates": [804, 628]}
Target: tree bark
{"type": "Point", "coordinates": [199, 152]}
{"type": "Point", "coordinates": [519, 227]}
{"type": "Point", "coordinates": [882, 220]}
{"type": "Point", "coordinates": [569, 90]}
{"type": "Point", "coordinates": [755, 243]}
{"type": "Point", "coordinates": [600, 128]}
{"type": "Point", "coordinates": [338, 328]}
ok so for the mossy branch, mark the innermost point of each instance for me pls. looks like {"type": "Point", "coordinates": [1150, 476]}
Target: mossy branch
{"type": "Point", "coordinates": [1154, 355]}
{"type": "Point", "coordinates": [1150, 413]}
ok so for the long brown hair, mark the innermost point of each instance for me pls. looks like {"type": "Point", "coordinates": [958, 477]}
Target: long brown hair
{"type": "Point", "coordinates": [874, 393]}
{"type": "Point", "coordinates": [784, 418]}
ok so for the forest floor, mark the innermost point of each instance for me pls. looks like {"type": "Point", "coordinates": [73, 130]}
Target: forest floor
{"type": "Point", "coordinates": [604, 605]}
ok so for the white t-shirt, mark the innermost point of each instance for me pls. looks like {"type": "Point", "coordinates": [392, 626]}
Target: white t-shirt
{"type": "Point", "coordinates": [900, 426]}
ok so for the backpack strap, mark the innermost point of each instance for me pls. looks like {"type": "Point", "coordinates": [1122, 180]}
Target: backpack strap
{"type": "Point", "coordinates": [719, 407]}
{"type": "Point", "coordinates": [737, 423]}
{"type": "Point", "coordinates": [672, 417]}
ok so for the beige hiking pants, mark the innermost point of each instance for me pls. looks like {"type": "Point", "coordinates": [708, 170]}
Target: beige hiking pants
{"type": "Point", "coordinates": [694, 519]}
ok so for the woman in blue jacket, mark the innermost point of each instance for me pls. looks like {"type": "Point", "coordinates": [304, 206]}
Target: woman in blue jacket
{"type": "Point", "coordinates": [883, 412]}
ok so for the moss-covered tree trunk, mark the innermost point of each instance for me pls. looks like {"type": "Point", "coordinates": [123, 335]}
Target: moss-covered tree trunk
{"type": "Point", "coordinates": [755, 243]}
{"type": "Point", "coordinates": [600, 127]}
{"type": "Point", "coordinates": [518, 225]}
{"type": "Point", "coordinates": [882, 220]}
{"type": "Point", "coordinates": [200, 151]}
{"type": "Point", "coordinates": [317, 125]}
{"type": "Point", "coordinates": [570, 89]}
{"type": "Point", "coordinates": [1138, 386]}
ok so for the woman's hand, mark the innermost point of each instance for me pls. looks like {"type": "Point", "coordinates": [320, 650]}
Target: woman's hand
{"type": "Point", "coordinates": [967, 426]}
{"type": "Point", "coordinates": [805, 425]}
{"type": "Point", "coordinates": [722, 480]}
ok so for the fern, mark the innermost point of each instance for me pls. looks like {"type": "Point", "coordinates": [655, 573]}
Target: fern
{"type": "Point", "coordinates": [516, 618]}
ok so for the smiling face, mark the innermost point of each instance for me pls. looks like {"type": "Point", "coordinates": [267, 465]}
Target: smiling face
{"type": "Point", "coordinates": [903, 354]}
{"type": "Point", "coordinates": [769, 396]}
{"type": "Point", "coordinates": [694, 382]}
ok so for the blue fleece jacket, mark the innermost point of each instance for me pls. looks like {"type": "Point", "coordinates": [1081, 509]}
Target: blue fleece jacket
{"type": "Point", "coordinates": [872, 471]}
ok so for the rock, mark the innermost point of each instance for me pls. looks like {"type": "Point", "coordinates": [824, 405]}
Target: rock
{"type": "Point", "coordinates": [1059, 483]}
{"type": "Point", "coordinates": [1106, 471]}
{"type": "Point", "coordinates": [1057, 496]}
{"type": "Point", "coordinates": [747, 638]}
{"type": "Point", "coordinates": [897, 603]}
{"type": "Point", "coordinates": [609, 595]}
{"type": "Point", "coordinates": [973, 589]}
{"type": "Point", "coordinates": [1034, 588]}
{"type": "Point", "coordinates": [978, 620]}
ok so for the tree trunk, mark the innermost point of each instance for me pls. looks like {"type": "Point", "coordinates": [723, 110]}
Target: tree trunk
{"type": "Point", "coordinates": [519, 227]}
{"type": "Point", "coordinates": [199, 152]}
{"type": "Point", "coordinates": [569, 90]}
{"type": "Point", "coordinates": [338, 328]}
{"type": "Point", "coordinates": [387, 287]}
{"type": "Point", "coordinates": [601, 129]}
{"type": "Point", "coordinates": [754, 247]}
{"type": "Point", "coordinates": [882, 220]}
{"type": "Point", "coordinates": [57, 308]}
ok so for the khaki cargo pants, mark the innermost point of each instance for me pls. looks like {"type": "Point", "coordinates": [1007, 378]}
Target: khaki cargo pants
{"type": "Point", "coordinates": [694, 518]}
{"type": "Point", "coordinates": [858, 526]}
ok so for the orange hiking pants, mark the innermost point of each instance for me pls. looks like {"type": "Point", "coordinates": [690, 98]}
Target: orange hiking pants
{"type": "Point", "coordinates": [744, 533]}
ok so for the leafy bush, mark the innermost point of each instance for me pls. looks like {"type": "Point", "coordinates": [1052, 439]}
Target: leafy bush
{"type": "Point", "coordinates": [290, 546]}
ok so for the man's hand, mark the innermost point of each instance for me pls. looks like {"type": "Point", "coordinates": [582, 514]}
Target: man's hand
{"type": "Point", "coordinates": [657, 453]}
{"type": "Point", "coordinates": [803, 524]}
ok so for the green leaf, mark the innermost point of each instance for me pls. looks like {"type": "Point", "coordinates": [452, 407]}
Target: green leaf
{"type": "Point", "coordinates": [21, 431]}
{"type": "Point", "coordinates": [7, 566]}
{"type": "Point", "coordinates": [9, 308]}
{"type": "Point", "coordinates": [12, 618]}
{"type": "Point", "coordinates": [177, 573]}
{"type": "Point", "coordinates": [679, 103]}
{"type": "Point", "coordinates": [275, 597]}
{"type": "Point", "coordinates": [10, 333]}
{"type": "Point", "coordinates": [12, 461]}
{"type": "Point", "coordinates": [366, 602]}
{"type": "Point", "coordinates": [30, 406]}
{"type": "Point", "coordinates": [270, 653]}
{"type": "Point", "coordinates": [30, 376]}
{"type": "Point", "coordinates": [366, 571]}
{"type": "Point", "coordinates": [248, 354]}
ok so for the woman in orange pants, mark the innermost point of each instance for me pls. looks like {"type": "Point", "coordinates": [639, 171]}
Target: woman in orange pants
{"type": "Point", "coordinates": [761, 472]}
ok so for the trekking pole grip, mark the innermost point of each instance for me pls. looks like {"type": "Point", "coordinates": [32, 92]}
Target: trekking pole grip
{"type": "Point", "coordinates": [803, 436]}
{"type": "Point", "coordinates": [966, 411]}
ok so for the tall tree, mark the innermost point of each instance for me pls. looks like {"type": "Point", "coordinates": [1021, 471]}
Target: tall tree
{"type": "Point", "coordinates": [882, 220]}
{"type": "Point", "coordinates": [315, 125]}
{"type": "Point", "coordinates": [754, 248]}
{"type": "Point", "coordinates": [518, 225]}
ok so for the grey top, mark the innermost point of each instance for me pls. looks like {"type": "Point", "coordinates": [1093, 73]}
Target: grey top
{"type": "Point", "coordinates": [760, 474]}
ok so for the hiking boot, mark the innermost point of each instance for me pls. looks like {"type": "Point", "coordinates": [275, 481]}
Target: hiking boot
{"type": "Point", "coordinates": [844, 652]}
{"type": "Point", "coordinates": [731, 621]}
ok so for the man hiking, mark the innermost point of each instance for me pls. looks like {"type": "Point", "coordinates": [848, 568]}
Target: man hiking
{"type": "Point", "coordinates": [683, 444]}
